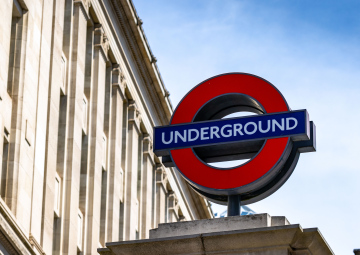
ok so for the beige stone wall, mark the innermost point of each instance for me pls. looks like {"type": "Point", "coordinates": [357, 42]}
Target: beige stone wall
{"type": "Point", "coordinates": [80, 93]}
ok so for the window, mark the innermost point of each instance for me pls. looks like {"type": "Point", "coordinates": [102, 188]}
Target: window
{"type": "Point", "coordinates": [121, 183]}
{"type": "Point", "coordinates": [57, 196]}
{"type": "Point", "coordinates": [17, 46]}
{"type": "Point", "coordinates": [6, 134]}
{"type": "Point", "coordinates": [85, 115]}
{"type": "Point", "coordinates": [104, 141]}
{"type": "Point", "coordinates": [80, 230]}
{"type": "Point", "coordinates": [137, 215]}
{"type": "Point", "coordinates": [29, 133]}
{"type": "Point", "coordinates": [63, 75]}
{"type": "Point", "coordinates": [121, 222]}
{"type": "Point", "coordinates": [5, 159]}
{"type": "Point", "coordinates": [103, 201]}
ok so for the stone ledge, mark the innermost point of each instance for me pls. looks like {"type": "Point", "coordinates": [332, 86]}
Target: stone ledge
{"type": "Point", "coordinates": [258, 236]}
{"type": "Point", "coordinates": [217, 225]}
{"type": "Point", "coordinates": [15, 241]}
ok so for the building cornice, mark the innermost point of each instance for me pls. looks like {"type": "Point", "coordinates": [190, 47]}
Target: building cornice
{"type": "Point", "coordinates": [144, 58]}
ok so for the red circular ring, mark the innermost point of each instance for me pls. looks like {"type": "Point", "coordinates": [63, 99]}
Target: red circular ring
{"type": "Point", "coordinates": [204, 175]}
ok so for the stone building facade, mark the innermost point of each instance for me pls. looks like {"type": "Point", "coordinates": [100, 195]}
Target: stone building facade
{"type": "Point", "coordinates": [80, 93]}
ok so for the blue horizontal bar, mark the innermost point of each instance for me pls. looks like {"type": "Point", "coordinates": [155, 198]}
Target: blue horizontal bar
{"type": "Point", "coordinates": [285, 124]}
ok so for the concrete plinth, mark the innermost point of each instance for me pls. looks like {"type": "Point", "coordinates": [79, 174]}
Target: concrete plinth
{"type": "Point", "coordinates": [250, 235]}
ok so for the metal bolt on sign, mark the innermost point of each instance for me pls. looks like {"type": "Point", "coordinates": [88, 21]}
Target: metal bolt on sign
{"type": "Point", "coordinates": [197, 135]}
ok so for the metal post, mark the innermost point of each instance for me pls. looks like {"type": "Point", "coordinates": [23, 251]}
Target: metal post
{"type": "Point", "coordinates": [234, 205]}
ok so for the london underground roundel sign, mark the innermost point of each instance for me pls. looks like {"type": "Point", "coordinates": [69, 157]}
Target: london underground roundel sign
{"type": "Point", "coordinates": [197, 135]}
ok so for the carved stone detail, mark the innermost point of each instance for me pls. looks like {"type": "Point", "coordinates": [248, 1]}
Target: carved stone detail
{"type": "Point", "coordinates": [118, 79]}
{"type": "Point", "coordinates": [134, 115]}
{"type": "Point", "coordinates": [139, 21]}
{"type": "Point", "coordinates": [101, 40]}
{"type": "Point", "coordinates": [148, 144]}
{"type": "Point", "coordinates": [161, 176]}
{"type": "Point", "coordinates": [85, 4]}
{"type": "Point", "coordinates": [148, 148]}
{"type": "Point", "coordinates": [153, 59]}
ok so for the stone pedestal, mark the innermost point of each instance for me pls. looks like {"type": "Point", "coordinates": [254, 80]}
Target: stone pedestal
{"type": "Point", "coordinates": [250, 235]}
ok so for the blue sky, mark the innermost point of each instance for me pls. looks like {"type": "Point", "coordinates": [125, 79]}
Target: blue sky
{"type": "Point", "coordinates": [310, 50]}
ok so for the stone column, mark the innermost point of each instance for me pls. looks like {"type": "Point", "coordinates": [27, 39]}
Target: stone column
{"type": "Point", "coordinates": [88, 86]}
{"type": "Point", "coordinates": [115, 150]}
{"type": "Point", "coordinates": [161, 191]}
{"type": "Point", "coordinates": [71, 179]}
{"type": "Point", "coordinates": [95, 154]}
{"type": "Point", "coordinates": [47, 60]}
{"type": "Point", "coordinates": [147, 187]}
{"type": "Point", "coordinates": [131, 174]}
{"type": "Point", "coordinates": [47, 217]}
{"type": "Point", "coordinates": [16, 82]}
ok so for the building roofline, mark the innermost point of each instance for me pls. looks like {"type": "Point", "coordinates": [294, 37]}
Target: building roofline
{"type": "Point", "coordinates": [150, 60]}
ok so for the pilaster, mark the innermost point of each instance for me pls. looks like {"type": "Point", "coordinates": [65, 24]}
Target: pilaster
{"type": "Point", "coordinates": [131, 175]}
{"type": "Point", "coordinates": [161, 191]}
{"type": "Point", "coordinates": [147, 187]}
{"type": "Point", "coordinates": [74, 133]}
{"type": "Point", "coordinates": [101, 41]}
{"type": "Point", "coordinates": [47, 216]}
{"type": "Point", "coordinates": [20, 163]}
{"type": "Point", "coordinates": [134, 116]}
{"type": "Point", "coordinates": [42, 120]}
{"type": "Point", "coordinates": [96, 146]}
{"type": "Point", "coordinates": [115, 150]}
{"type": "Point", "coordinates": [118, 81]}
